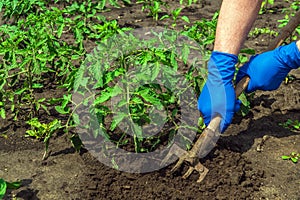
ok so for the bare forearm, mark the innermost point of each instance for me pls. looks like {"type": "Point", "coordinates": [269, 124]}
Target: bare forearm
{"type": "Point", "coordinates": [234, 23]}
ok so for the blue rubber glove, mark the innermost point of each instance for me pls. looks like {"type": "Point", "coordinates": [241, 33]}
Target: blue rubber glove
{"type": "Point", "coordinates": [217, 95]}
{"type": "Point", "coordinates": [269, 69]}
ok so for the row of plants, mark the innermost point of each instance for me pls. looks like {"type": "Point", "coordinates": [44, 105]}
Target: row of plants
{"type": "Point", "coordinates": [36, 57]}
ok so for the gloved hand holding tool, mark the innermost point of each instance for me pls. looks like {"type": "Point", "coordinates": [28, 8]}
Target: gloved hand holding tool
{"type": "Point", "coordinates": [269, 69]}
{"type": "Point", "coordinates": [266, 72]}
{"type": "Point", "coordinates": [217, 101]}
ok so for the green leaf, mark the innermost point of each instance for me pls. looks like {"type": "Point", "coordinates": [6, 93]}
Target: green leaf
{"type": "Point", "coordinates": [186, 19]}
{"type": "Point", "coordinates": [13, 185]}
{"type": "Point", "coordinates": [248, 51]}
{"type": "Point", "coordinates": [118, 117]}
{"type": "Point", "coordinates": [294, 159]}
{"type": "Point", "coordinates": [32, 133]}
{"type": "Point", "coordinates": [37, 85]}
{"type": "Point", "coordinates": [155, 71]}
{"type": "Point", "coordinates": [3, 187]}
{"type": "Point", "coordinates": [62, 110]}
{"type": "Point", "coordinates": [137, 100]}
{"type": "Point", "coordinates": [104, 96]}
{"type": "Point", "coordinates": [285, 157]}
{"type": "Point", "coordinates": [176, 12]}
{"type": "Point", "coordinates": [185, 53]}
{"type": "Point", "coordinates": [2, 113]}
{"type": "Point", "coordinates": [244, 99]}
{"type": "Point", "coordinates": [164, 17]}
{"type": "Point", "coordinates": [60, 30]}
{"type": "Point", "coordinates": [20, 91]}
{"type": "Point", "coordinates": [76, 118]}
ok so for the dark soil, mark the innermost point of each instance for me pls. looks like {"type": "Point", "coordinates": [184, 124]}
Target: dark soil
{"type": "Point", "coordinates": [246, 164]}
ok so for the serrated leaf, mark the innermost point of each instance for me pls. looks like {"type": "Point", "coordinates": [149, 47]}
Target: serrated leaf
{"type": "Point", "coordinates": [118, 117]}
{"type": "Point", "coordinates": [31, 133]}
{"type": "Point", "coordinates": [155, 70]}
{"type": "Point", "coordinates": [185, 53]}
{"type": "Point", "coordinates": [76, 118]}
{"type": "Point", "coordinates": [61, 110]}
{"type": "Point", "coordinates": [153, 100]}
{"type": "Point", "coordinates": [137, 100]}
{"type": "Point", "coordinates": [104, 96]}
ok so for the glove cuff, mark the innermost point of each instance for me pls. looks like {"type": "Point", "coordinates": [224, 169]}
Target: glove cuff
{"type": "Point", "coordinates": [290, 55]}
{"type": "Point", "coordinates": [222, 63]}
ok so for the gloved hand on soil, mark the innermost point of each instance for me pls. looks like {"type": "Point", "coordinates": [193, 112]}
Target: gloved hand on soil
{"type": "Point", "coordinates": [218, 95]}
{"type": "Point", "coordinates": [269, 69]}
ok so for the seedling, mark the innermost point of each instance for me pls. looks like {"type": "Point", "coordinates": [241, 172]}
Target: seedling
{"type": "Point", "coordinates": [154, 7]}
{"type": "Point", "coordinates": [291, 125]}
{"type": "Point", "coordinates": [4, 185]}
{"type": "Point", "coordinates": [43, 131]}
{"type": "Point", "coordinates": [174, 15]}
{"type": "Point", "coordinates": [265, 6]}
{"type": "Point", "coordinates": [293, 157]}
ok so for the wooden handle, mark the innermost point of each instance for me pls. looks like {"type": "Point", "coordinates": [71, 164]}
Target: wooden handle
{"type": "Point", "coordinates": [241, 86]}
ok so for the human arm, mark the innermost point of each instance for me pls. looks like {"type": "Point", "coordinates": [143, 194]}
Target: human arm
{"type": "Point", "coordinates": [217, 97]}
{"type": "Point", "coordinates": [234, 23]}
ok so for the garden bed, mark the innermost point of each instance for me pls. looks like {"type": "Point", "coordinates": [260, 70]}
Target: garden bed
{"type": "Point", "coordinates": [246, 163]}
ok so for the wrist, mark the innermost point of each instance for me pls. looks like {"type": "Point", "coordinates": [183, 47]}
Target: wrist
{"type": "Point", "coordinates": [223, 64]}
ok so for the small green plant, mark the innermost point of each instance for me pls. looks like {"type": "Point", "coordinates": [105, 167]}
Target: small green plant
{"type": "Point", "coordinates": [257, 31]}
{"type": "Point", "coordinates": [4, 185]}
{"type": "Point", "coordinates": [291, 125]}
{"type": "Point", "coordinates": [265, 6]}
{"type": "Point", "coordinates": [188, 2]}
{"type": "Point", "coordinates": [43, 131]}
{"type": "Point", "coordinates": [293, 157]}
{"type": "Point", "coordinates": [284, 22]}
{"type": "Point", "coordinates": [18, 8]}
{"type": "Point", "coordinates": [203, 31]}
{"type": "Point", "coordinates": [175, 15]}
{"type": "Point", "coordinates": [154, 7]}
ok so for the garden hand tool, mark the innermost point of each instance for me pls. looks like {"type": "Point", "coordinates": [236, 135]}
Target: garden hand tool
{"type": "Point", "coordinates": [203, 145]}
